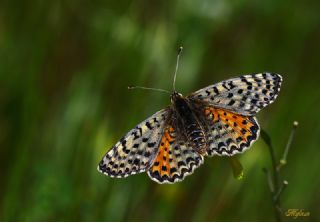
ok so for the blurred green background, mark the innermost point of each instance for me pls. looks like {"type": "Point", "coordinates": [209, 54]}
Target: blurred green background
{"type": "Point", "coordinates": [64, 71]}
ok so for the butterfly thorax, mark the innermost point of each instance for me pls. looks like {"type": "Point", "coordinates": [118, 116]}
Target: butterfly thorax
{"type": "Point", "coordinates": [188, 121]}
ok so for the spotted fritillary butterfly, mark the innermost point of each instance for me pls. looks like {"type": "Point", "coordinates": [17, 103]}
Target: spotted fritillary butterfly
{"type": "Point", "coordinates": [216, 120]}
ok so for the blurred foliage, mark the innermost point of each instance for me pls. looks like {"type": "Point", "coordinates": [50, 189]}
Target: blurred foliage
{"type": "Point", "coordinates": [64, 69]}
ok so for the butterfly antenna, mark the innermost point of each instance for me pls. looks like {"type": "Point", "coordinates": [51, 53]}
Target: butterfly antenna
{"type": "Point", "coordinates": [177, 66]}
{"type": "Point", "coordinates": [147, 88]}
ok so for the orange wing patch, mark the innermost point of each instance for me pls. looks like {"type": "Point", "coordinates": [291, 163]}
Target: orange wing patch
{"type": "Point", "coordinates": [161, 163]}
{"type": "Point", "coordinates": [175, 159]}
{"type": "Point", "coordinates": [231, 133]}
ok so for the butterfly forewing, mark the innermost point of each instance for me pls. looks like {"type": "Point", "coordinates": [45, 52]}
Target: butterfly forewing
{"type": "Point", "coordinates": [245, 95]}
{"type": "Point", "coordinates": [136, 151]}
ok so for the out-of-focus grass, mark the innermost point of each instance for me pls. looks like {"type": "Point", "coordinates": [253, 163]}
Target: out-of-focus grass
{"type": "Point", "coordinates": [64, 69]}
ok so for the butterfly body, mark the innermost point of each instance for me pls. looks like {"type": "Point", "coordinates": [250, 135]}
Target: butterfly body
{"type": "Point", "coordinates": [188, 123]}
{"type": "Point", "coordinates": [216, 120]}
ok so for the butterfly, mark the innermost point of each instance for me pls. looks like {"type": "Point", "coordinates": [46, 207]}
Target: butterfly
{"type": "Point", "coordinates": [216, 120]}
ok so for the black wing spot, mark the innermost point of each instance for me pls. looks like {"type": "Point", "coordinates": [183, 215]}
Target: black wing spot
{"type": "Point", "coordinates": [123, 142]}
{"type": "Point", "coordinates": [216, 91]}
{"type": "Point", "coordinates": [221, 144]}
{"type": "Point", "coordinates": [173, 170]}
{"type": "Point", "coordinates": [151, 144]}
{"type": "Point", "coordinates": [126, 151]}
{"type": "Point", "coordinates": [229, 141]}
{"type": "Point", "coordinates": [224, 86]}
{"type": "Point", "coordinates": [148, 125]}
{"type": "Point", "coordinates": [254, 101]}
{"type": "Point", "coordinates": [147, 154]}
{"type": "Point", "coordinates": [189, 159]}
{"type": "Point", "coordinates": [231, 85]}
{"type": "Point", "coordinates": [231, 102]}
{"type": "Point", "coordinates": [264, 91]}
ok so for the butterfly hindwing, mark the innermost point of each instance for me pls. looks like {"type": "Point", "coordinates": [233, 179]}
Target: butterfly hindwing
{"type": "Point", "coordinates": [245, 95]}
{"type": "Point", "coordinates": [175, 159]}
{"type": "Point", "coordinates": [229, 133]}
{"type": "Point", "coordinates": [135, 152]}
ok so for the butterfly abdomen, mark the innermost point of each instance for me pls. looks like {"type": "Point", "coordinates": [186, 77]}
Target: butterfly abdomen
{"type": "Point", "coordinates": [188, 120]}
{"type": "Point", "coordinates": [197, 137]}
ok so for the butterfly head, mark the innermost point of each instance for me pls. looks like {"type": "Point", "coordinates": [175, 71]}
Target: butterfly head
{"type": "Point", "coordinates": [175, 96]}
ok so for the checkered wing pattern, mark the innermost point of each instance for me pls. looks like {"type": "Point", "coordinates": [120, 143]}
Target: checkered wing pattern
{"type": "Point", "coordinates": [136, 151]}
{"type": "Point", "coordinates": [175, 159]}
{"type": "Point", "coordinates": [229, 133]}
{"type": "Point", "coordinates": [244, 95]}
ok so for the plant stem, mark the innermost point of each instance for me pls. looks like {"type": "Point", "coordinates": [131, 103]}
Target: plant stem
{"type": "Point", "coordinates": [283, 160]}
{"type": "Point", "coordinates": [273, 184]}
{"type": "Point", "coordinates": [275, 188]}
{"type": "Point", "coordinates": [276, 201]}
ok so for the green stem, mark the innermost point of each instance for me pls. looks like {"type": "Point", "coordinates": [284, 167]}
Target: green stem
{"type": "Point", "coordinates": [276, 201]}
{"type": "Point", "coordinates": [277, 206]}
{"type": "Point", "coordinates": [283, 160]}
